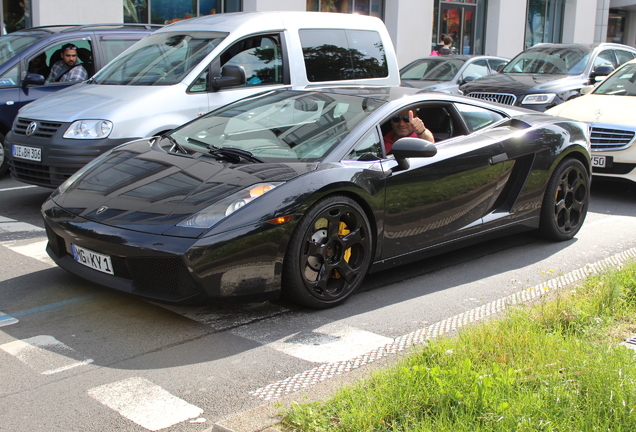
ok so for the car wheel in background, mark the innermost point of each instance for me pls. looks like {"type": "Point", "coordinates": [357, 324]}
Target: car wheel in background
{"type": "Point", "coordinates": [329, 253]}
{"type": "Point", "coordinates": [566, 201]}
{"type": "Point", "coordinates": [4, 156]}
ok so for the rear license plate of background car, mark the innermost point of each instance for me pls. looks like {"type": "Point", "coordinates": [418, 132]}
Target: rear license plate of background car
{"type": "Point", "coordinates": [30, 153]}
{"type": "Point", "coordinates": [92, 259]}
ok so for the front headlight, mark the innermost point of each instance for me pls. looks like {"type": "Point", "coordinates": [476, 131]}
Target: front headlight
{"type": "Point", "coordinates": [89, 129]}
{"type": "Point", "coordinates": [537, 99]}
{"type": "Point", "coordinates": [220, 210]}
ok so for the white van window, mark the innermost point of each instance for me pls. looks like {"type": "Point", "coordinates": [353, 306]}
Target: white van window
{"type": "Point", "coordinates": [336, 55]}
{"type": "Point", "coordinates": [160, 59]}
{"type": "Point", "coordinates": [260, 56]}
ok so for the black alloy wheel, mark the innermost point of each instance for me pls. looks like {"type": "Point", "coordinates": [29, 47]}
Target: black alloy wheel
{"type": "Point", "coordinates": [566, 201]}
{"type": "Point", "coordinates": [328, 254]}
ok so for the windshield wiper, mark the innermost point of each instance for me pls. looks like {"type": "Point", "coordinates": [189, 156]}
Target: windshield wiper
{"type": "Point", "coordinates": [231, 153]}
{"type": "Point", "coordinates": [175, 144]}
{"type": "Point", "coordinates": [235, 153]}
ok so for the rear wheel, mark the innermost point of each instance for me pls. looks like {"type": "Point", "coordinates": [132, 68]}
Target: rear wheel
{"type": "Point", "coordinates": [328, 254]}
{"type": "Point", "coordinates": [4, 156]}
{"type": "Point", "coordinates": [566, 201]}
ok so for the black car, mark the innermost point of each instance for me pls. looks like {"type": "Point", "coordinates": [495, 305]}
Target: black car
{"type": "Point", "coordinates": [291, 192]}
{"type": "Point", "coordinates": [26, 58]}
{"type": "Point", "coordinates": [545, 75]}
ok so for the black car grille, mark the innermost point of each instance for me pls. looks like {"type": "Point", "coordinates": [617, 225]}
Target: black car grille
{"type": "Point", "coordinates": [39, 174]}
{"type": "Point", "coordinates": [610, 139]}
{"type": "Point", "coordinates": [44, 129]}
{"type": "Point", "coordinates": [502, 98]}
{"type": "Point", "coordinates": [161, 275]}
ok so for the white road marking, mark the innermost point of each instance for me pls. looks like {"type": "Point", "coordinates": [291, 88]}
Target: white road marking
{"type": "Point", "coordinates": [6, 320]}
{"type": "Point", "coordinates": [16, 188]}
{"type": "Point", "coordinates": [45, 354]}
{"type": "Point", "coordinates": [144, 403]}
{"type": "Point", "coordinates": [8, 225]}
{"type": "Point", "coordinates": [33, 249]}
{"type": "Point", "coordinates": [330, 343]}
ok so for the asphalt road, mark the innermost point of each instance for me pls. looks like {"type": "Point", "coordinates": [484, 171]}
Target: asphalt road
{"type": "Point", "coordinates": [78, 357]}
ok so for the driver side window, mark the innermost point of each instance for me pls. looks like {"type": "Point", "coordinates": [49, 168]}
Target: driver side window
{"type": "Point", "coordinates": [260, 56]}
{"type": "Point", "coordinates": [367, 149]}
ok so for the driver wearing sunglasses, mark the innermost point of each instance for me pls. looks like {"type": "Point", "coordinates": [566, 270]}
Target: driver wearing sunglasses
{"type": "Point", "coordinates": [406, 124]}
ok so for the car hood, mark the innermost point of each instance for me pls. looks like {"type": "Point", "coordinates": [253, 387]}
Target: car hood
{"type": "Point", "coordinates": [141, 187]}
{"type": "Point", "coordinates": [594, 108]}
{"type": "Point", "coordinates": [521, 83]}
{"type": "Point", "coordinates": [93, 101]}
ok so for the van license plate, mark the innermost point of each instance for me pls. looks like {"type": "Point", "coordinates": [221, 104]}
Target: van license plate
{"type": "Point", "coordinates": [92, 259]}
{"type": "Point", "coordinates": [29, 153]}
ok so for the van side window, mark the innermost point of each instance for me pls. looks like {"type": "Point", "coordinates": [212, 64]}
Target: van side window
{"type": "Point", "coordinates": [113, 47]}
{"type": "Point", "coordinates": [336, 55]}
{"type": "Point", "coordinates": [260, 56]}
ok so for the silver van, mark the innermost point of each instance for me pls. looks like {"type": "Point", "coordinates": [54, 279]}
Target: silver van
{"type": "Point", "coordinates": [187, 69]}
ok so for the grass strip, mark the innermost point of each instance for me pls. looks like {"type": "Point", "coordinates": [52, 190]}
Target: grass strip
{"type": "Point", "coordinates": [555, 365]}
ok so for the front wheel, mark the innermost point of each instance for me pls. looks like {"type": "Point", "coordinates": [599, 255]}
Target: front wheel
{"type": "Point", "coordinates": [4, 156]}
{"type": "Point", "coordinates": [566, 201]}
{"type": "Point", "coordinates": [329, 254]}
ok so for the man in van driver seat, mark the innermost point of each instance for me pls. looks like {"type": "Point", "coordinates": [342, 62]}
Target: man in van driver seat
{"type": "Point", "coordinates": [67, 69]}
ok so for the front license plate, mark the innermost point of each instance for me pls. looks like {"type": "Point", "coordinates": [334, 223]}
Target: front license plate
{"type": "Point", "coordinates": [29, 153]}
{"type": "Point", "coordinates": [599, 161]}
{"type": "Point", "coordinates": [92, 259]}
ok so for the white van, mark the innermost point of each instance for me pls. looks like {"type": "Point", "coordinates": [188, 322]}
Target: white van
{"type": "Point", "coordinates": [187, 69]}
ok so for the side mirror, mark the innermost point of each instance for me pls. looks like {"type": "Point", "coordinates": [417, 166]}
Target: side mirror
{"type": "Point", "coordinates": [586, 89]}
{"type": "Point", "coordinates": [464, 80]}
{"type": "Point", "coordinates": [500, 67]}
{"type": "Point", "coordinates": [32, 79]}
{"type": "Point", "coordinates": [231, 76]}
{"type": "Point", "coordinates": [601, 72]}
{"type": "Point", "coordinates": [412, 147]}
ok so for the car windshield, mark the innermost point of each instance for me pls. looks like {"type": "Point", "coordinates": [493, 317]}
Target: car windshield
{"type": "Point", "coordinates": [282, 126]}
{"type": "Point", "coordinates": [159, 59]}
{"type": "Point", "coordinates": [549, 60]}
{"type": "Point", "coordinates": [12, 45]}
{"type": "Point", "coordinates": [433, 69]}
{"type": "Point", "coordinates": [620, 83]}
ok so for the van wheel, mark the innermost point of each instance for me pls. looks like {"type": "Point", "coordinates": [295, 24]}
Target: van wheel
{"type": "Point", "coordinates": [4, 156]}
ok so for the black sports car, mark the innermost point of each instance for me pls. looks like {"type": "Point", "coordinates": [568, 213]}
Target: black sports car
{"type": "Point", "coordinates": [291, 193]}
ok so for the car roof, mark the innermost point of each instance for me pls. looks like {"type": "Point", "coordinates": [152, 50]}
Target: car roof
{"type": "Point", "coordinates": [70, 28]}
{"type": "Point", "coordinates": [589, 46]}
{"type": "Point", "coordinates": [268, 20]}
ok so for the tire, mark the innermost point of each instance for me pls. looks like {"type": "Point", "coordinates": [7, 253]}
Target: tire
{"type": "Point", "coordinates": [566, 201]}
{"type": "Point", "coordinates": [328, 255]}
{"type": "Point", "coordinates": [4, 156]}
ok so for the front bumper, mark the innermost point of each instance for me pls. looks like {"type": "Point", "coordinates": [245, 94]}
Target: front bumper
{"type": "Point", "coordinates": [244, 264]}
{"type": "Point", "coordinates": [60, 157]}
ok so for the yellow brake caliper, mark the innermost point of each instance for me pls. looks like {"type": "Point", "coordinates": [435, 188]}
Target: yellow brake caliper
{"type": "Point", "coordinates": [343, 230]}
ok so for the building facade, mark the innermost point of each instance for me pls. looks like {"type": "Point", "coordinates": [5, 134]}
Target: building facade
{"type": "Point", "coordinates": [498, 27]}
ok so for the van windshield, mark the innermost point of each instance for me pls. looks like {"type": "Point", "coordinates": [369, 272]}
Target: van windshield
{"type": "Point", "coordinates": [161, 59]}
{"type": "Point", "coordinates": [12, 45]}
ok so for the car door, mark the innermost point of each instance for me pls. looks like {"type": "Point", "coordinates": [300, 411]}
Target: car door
{"type": "Point", "coordinates": [444, 197]}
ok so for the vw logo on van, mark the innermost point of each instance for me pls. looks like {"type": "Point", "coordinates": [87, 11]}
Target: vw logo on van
{"type": "Point", "coordinates": [30, 130]}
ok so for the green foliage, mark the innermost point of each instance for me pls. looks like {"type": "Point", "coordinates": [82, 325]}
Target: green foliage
{"type": "Point", "coordinates": [552, 366]}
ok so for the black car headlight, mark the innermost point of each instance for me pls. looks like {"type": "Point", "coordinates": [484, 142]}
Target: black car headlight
{"type": "Point", "coordinates": [220, 210]}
